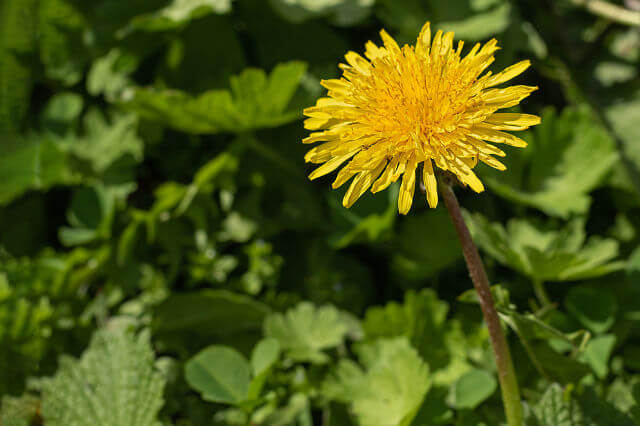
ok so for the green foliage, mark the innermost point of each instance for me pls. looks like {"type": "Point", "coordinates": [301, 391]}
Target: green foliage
{"type": "Point", "coordinates": [391, 388]}
{"type": "Point", "coordinates": [543, 253]}
{"type": "Point", "coordinates": [152, 178]}
{"type": "Point", "coordinates": [305, 331]}
{"type": "Point", "coordinates": [113, 383]}
{"type": "Point", "coordinates": [552, 173]}
{"type": "Point", "coordinates": [254, 101]}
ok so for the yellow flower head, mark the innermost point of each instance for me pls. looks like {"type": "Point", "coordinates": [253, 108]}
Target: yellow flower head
{"type": "Point", "coordinates": [414, 105]}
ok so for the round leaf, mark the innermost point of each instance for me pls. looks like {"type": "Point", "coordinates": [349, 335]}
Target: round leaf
{"type": "Point", "coordinates": [472, 389]}
{"type": "Point", "coordinates": [220, 374]}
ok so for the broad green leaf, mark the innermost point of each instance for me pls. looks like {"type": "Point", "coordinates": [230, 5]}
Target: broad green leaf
{"type": "Point", "coordinates": [423, 320]}
{"type": "Point", "coordinates": [18, 36]}
{"type": "Point", "coordinates": [594, 307]}
{"type": "Point", "coordinates": [471, 389]}
{"type": "Point", "coordinates": [35, 162]}
{"type": "Point", "coordinates": [545, 253]}
{"type": "Point", "coordinates": [305, 331]}
{"type": "Point", "coordinates": [220, 374]}
{"type": "Point", "coordinates": [254, 101]}
{"type": "Point", "coordinates": [342, 12]}
{"type": "Point", "coordinates": [114, 383]}
{"type": "Point", "coordinates": [598, 352]}
{"type": "Point", "coordinates": [209, 312]}
{"type": "Point", "coordinates": [389, 390]}
{"type": "Point", "coordinates": [568, 156]}
{"type": "Point", "coordinates": [178, 13]}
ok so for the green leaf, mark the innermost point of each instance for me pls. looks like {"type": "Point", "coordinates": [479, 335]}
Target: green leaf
{"type": "Point", "coordinates": [471, 389]}
{"type": "Point", "coordinates": [305, 331]}
{"type": "Point", "coordinates": [19, 411]}
{"type": "Point", "coordinates": [264, 356]}
{"type": "Point", "coordinates": [594, 307]}
{"type": "Point", "coordinates": [63, 50]}
{"type": "Point", "coordinates": [177, 14]}
{"type": "Point", "coordinates": [209, 312]}
{"type": "Point", "coordinates": [423, 320]}
{"type": "Point", "coordinates": [114, 383]}
{"type": "Point", "coordinates": [561, 408]}
{"type": "Point", "coordinates": [220, 374]}
{"type": "Point", "coordinates": [18, 35]}
{"type": "Point", "coordinates": [390, 389]}
{"type": "Point", "coordinates": [342, 12]}
{"type": "Point", "coordinates": [104, 142]}
{"type": "Point", "coordinates": [254, 101]}
{"type": "Point", "coordinates": [471, 20]}
{"type": "Point", "coordinates": [598, 352]}
{"type": "Point", "coordinates": [568, 156]}
{"type": "Point", "coordinates": [32, 163]}
{"type": "Point", "coordinates": [62, 111]}
{"type": "Point", "coordinates": [545, 253]}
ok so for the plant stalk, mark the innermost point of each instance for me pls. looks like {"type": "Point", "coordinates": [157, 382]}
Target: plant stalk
{"type": "Point", "coordinates": [506, 372]}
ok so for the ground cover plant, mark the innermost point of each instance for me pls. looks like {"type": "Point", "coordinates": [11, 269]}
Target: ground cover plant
{"type": "Point", "coordinates": [165, 260]}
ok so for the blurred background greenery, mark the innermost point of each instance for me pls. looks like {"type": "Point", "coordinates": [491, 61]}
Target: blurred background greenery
{"type": "Point", "coordinates": [164, 259]}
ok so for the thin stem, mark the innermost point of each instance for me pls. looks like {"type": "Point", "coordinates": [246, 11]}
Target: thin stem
{"type": "Point", "coordinates": [541, 293]}
{"type": "Point", "coordinates": [506, 372]}
{"type": "Point", "coordinates": [610, 11]}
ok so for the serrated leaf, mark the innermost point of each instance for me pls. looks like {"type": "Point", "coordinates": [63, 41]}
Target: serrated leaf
{"type": "Point", "coordinates": [105, 141]}
{"type": "Point", "coordinates": [568, 156]}
{"type": "Point", "coordinates": [391, 387]}
{"type": "Point", "coordinates": [114, 383]}
{"type": "Point", "coordinates": [220, 374]}
{"type": "Point", "coordinates": [545, 253]}
{"type": "Point", "coordinates": [19, 411]}
{"type": "Point", "coordinates": [254, 101]}
{"type": "Point", "coordinates": [305, 331]}
{"type": "Point", "coordinates": [561, 408]}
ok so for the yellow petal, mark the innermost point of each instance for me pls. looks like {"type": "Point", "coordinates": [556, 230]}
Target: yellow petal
{"type": "Point", "coordinates": [490, 161]}
{"type": "Point", "coordinates": [360, 185]}
{"type": "Point", "coordinates": [424, 40]}
{"type": "Point", "coordinates": [330, 165]}
{"type": "Point", "coordinates": [389, 42]}
{"type": "Point", "coordinates": [497, 137]}
{"type": "Point", "coordinates": [408, 187]}
{"type": "Point", "coordinates": [507, 74]}
{"type": "Point", "coordinates": [507, 97]}
{"type": "Point", "coordinates": [430, 184]}
{"type": "Point", "coordinates": [511, 121]}
{"type": "Point", "coordinates": [387, 177]}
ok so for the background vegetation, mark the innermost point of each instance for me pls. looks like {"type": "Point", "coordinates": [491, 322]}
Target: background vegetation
{"type": "Point", "coordinates": [164, 260]}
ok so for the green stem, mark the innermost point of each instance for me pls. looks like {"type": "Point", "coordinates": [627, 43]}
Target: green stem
{"type": "Point", "coordinates": [506, 372]}
{"type": "Point", "coordinates": [610, 11]}
{"type": "Point", "coordinates": [541, 293]}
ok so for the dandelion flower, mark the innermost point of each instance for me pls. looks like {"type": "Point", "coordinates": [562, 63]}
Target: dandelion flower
{"type": "Point", "coordinates": [416, 105]}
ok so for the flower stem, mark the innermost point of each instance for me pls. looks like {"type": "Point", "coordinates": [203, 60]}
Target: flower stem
{"type": "Point", "coordinates": [541, 292]}
{"type": "Point", "coordinates": [610, 11]}
{"type": "Point", "coordinates": [506, 372]}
